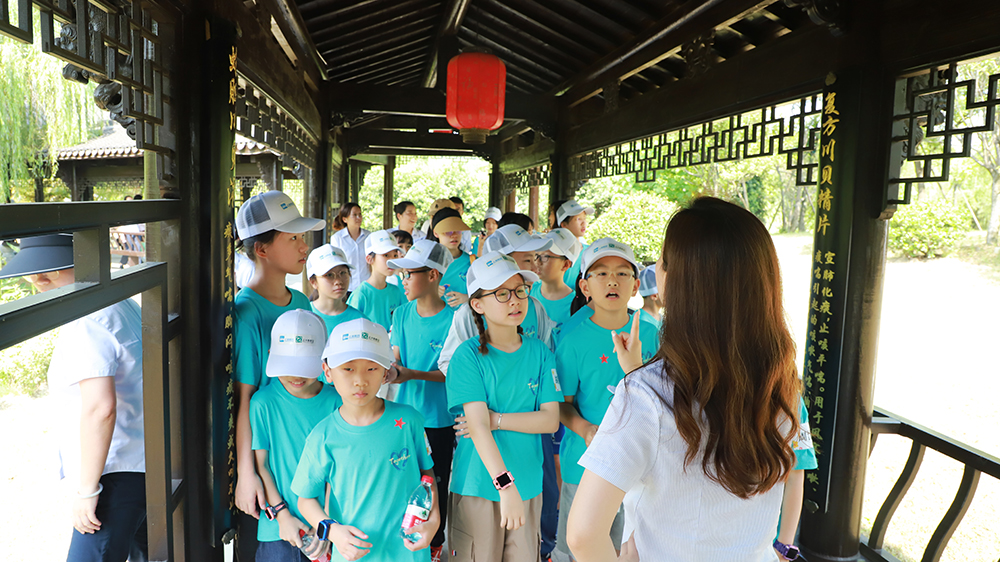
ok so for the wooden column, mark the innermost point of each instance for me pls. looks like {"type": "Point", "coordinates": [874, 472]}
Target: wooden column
{"type": "Point", "coordinates": [846, 296]}
{"type": "Point", "coordinates": [387, 195]}
{"type": "Point", "coordinates": [533, 205]}
{"type": "Point", "coordinates": [510, 202]}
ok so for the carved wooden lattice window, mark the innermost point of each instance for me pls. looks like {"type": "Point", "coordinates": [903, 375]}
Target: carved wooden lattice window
{"type": "Point", "coordinates": [115, 43]}
{"type": "Point", "coordinates": [788, 129]}
{"type": "Point", "coordinates": [522, 180]}
{"type": "Point", "coordinates": [262, 119]}
{"type": "Point", "coordinates": [936, 114]}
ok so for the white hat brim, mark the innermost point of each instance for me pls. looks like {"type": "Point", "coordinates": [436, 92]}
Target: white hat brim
{"type": "Point", "coordinates": [407, 263]}
{"type": "Point", "coordinates": [529, 277]}
{"type": "Point", "coordinates": [337, 359]}
{"type": "Point", "coordinates": [305, 366]}
{"type": "Point", "coordinates": [301, 224]}
{"type": "Point", "coordinates": [534, 245]}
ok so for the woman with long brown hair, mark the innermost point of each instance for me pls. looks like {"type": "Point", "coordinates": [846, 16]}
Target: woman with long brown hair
{"type": "Point", "coordinates": [697, 442]}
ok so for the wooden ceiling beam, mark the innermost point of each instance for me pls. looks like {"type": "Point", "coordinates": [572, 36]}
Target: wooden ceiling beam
{"type": "Point", "coordinates": [451, 22]}
{"type": "Point", "coordinates": [358, 138]}
{"type": "Point", "coordinates": [349, 97]}
{"type": "Point", "coordinates": [662, 40]}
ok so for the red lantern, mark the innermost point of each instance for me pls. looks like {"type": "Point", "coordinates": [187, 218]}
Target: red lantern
{"type": "Point", "coordinates": [477, 85]}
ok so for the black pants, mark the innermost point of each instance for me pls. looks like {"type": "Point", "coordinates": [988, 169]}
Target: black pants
{"type": "Point", "coordinates": [246, 537]}
{"type": "Point", "coordinates": [442, 440]}
{"type": "Point", "coordinates": [121, 509]}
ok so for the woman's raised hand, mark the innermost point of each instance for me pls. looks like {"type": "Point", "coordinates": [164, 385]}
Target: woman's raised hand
{"type": "Point", "coordinates": [628, 347]}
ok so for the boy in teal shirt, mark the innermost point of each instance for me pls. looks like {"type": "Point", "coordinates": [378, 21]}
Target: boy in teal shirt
{"type": "Point", "coordinates": [588, 368]}
{"type": "Point", "coordinates": [376, 298]}
{"type": "Point", "coordinates": [652, 305]}
{"type": "Point", "coordinates": [551, 290]}
{"type": "Point", "coordinates": [370, 452]}
{"type": "Point", "coordinates": [281, 416]}
{"type": "Point", "coordinates": [419, 328]}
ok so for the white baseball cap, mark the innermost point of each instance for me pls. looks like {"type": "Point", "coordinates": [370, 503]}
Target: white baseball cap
{"type": "Point", "coordinates": [564, 243]}
{"type": "Point", "coordinates": [513, 238]}
{"type": "Point", "coordinates": [493, 270]}
{"type": "Point", "coordinates": [603, 248]}
{"type": "Point", "coordinates": [571, 209]}
{"type": "Point", "coordinates": [647, 282]}
{"type": "Point", "coordinates": [381, 242]}
{"type": "Point", "coordinates": [297, 341]}
{"type": "Point", "coordinates": [272, 210]}
{"type": "Point", "coordinates": [492, 213]}
{"type": "Point", "coordinates": [325, 258]}
{"type": "Point", "coordinates": [358, 339]}
{"type": "Point", "coordinates": [424, 253]}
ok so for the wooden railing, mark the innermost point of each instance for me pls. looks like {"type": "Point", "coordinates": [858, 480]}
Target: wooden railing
{"type": "Point", "coordinates": [975, 462]}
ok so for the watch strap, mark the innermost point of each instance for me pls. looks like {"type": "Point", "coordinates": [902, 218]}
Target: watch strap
{"type": "Point", "coordinates": [787, 551]}
{"type": "Point", "coordinates": [505, 476]}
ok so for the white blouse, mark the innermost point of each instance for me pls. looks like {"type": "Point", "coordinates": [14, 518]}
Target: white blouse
{"type": "Point", "coordinates": [355, 251]}
{"type": "Point", "coordinates": [676, 512]}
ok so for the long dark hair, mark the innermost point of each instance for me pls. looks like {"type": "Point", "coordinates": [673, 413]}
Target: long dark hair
{"type": "Point", "coordinates": [726, 347]}
{"type": "Point", "coordinates": [340, 221]}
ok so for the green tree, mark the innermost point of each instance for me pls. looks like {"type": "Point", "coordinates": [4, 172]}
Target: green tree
{"type": "Point", "coordinates": [40, 112]}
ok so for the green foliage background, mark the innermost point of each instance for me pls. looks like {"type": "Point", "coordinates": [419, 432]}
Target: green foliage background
{"type": "Point", "coordinates": [928, 229]}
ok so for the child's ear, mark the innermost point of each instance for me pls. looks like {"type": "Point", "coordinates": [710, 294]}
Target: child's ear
{"type": "Point", "coordinates": [476, 305]}
{"type": "Point", "coordinates": [260, 249]}
{"type": "Point", "coordinates": [327, 372]}
{"type": "Point", "coordinates": [585, 287]}
{"type": "Point", "coordinates": [635, 288]}
{"type": "Point", "coordinates": [370, 258]}
{"type": "Point", "coordinates": [313, 282]}
{"type": "Point", "coordinates": [566, 265]}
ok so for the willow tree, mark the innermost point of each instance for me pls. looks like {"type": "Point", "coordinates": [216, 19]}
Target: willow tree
{"type": "Point", "coordinates": [40, 112]}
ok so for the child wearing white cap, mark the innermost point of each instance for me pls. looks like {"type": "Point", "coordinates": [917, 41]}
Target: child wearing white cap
{"type": "Point", "coordinates": [585, 357]}
{"type": "Point", "coordinates": [504, 389]}
{"type": "Point", "coordinates": [271, 230]}
{"type": "Point", "coordinates": [490, 224]}
{"type": "Point", "coordinates": [371, 452]}
{"type": "Point", "coordinates": [376, 298]}
{"type": "Point", "coordinates": [329, 275]}
{"type": "Point", "coordinates": [281, 416]}
{"type": "Point", "coordinates": [419, 328]}
{"type": "Point", "coordinates": [573, 217]}
{"type": "Point", "coordinates": [652, 305]}
{"type": "Point", "coordinates": [552, 264]}
{"type": "Point", "coordinates": [513, 241]}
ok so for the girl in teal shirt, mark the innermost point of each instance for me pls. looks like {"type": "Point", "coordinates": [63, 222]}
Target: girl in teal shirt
{"type": "Point", "coordinates": [504, 389]}
{"type": "Point", "coordinates": [330, 275]}
{"type": "Point", "coordinates": [447, 227]}
{"type": "Point", "coordinates": [376, 298]}
{"type": "Point", "coordinates": [271, 232]}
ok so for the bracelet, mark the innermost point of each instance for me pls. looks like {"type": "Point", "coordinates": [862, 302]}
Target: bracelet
{"type": "Point", "coordinates": [499, 421]}
{"type": "Point", "coordinates": [100, 488]}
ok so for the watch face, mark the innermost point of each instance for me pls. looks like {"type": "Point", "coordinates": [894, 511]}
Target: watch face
{"type": "Point", "coordinates": [792, 553]}
{"type": "Point", "coordinates": [269, 513]}
{"type": "Point", "coordinates": [504, 480]}
{"type": "Point", "coordinates": [322, 530]}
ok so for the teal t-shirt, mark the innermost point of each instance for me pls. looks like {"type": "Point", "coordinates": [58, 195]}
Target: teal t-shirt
{"type": "Point", "coordinates": [558, 310]}
{"type": "Point", "coordinates": [575, 320]}
{"type": "Point", "coordinates": [475, 246]}
{"type": "Point", "coordinates": [507, 382]}
{"type": "Point", "coordinates": [574, 270]}
{"type": "Point", "coordinates": [648, 318]}
{"type": "Point", "coordinates": [280, 423]}
{"type": "Point", "coordinates": [589, 372]}
{"type": "Point", "coordinates": [454, 277]}
{"type": "Point", "coordinates": [377, 305]}
{"type": "Point", "coordinates": [802, 444]}
{"type": "Point", "coordinates": [372, 470]}
{"type": "Point", "coordinates": [420, 342]}
{"type": "Point", "coordinates": [350, 313]}
{"type": "Point", "coordinates": [255, 316]}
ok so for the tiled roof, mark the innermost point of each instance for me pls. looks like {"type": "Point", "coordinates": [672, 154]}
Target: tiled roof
{"type": "Point", "coordinates": [117, 144]}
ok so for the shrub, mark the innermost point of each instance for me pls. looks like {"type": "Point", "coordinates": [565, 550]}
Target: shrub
{"type": "Point", "coordinates": [927, 229]}
{"type": "Point", "coordinates": [24, 367]}
{"type": "Point", "coordinates": [639, 220]}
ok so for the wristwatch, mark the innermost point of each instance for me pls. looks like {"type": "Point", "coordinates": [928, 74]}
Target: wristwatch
{"type": "Point", "coordinates": [787, 551]}
{"type": "Point", "coordinates": [272, 511]}
{"type": "Point", "coordinates": [503, 480]}
{"type": "Point", "coordinates": [323, 529]}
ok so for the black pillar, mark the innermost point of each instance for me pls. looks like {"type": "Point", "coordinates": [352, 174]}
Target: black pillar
{"type": "Point", "coordinates": [846, 296]}
{"type": "Point", "coordinates": [387, 192]}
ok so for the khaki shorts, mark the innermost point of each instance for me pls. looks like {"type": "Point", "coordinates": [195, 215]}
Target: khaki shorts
{"type": "Point", "coordinates": [474, 533]}
{"type": "Point", "coordinates": [566, 495]}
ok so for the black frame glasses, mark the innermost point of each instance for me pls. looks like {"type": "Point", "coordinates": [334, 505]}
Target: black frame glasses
{"type": "Point", "coordinates": [407, 273]}
{"type": "Point", "coordinates": [504, 295]}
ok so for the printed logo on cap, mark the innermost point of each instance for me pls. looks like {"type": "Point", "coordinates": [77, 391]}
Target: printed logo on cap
{"type": "Point", "coordinates": [361, 336]}
{"type": "Point", "coordinates": [308, 340]}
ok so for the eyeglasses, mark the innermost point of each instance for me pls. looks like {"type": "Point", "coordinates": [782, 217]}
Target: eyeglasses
{"type": "Point", "coordinates": [407, 274]}
{"type": "Point", "coordinates": [544, 259]}
{"type": "Point", "coordinates": [337, 274]}
{"type": "Point", "coordinates": [453, 233]}
{"type": "Point", "coordinates": [503, 295]}
{"type": "Point", "coordinates": [607, 276]}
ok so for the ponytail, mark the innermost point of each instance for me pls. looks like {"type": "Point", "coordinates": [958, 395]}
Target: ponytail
{"type": "Point", "coordinates": [340, 221]}
{"type": "Point", "coordinates": [580, 300]}
{"type": "Point", "coordinates": [484, 337]}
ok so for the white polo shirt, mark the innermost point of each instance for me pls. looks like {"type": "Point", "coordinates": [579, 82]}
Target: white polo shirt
{"type": "Point", "coordinates": [355, 250]}
{"type": "Point", "coordinates": [106, 343]}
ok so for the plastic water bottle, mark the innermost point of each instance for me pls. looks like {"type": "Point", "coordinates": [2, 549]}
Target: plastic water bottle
{"type": "Point", "coordinates": [306, 541]}
{"type": "Point", "coordinates": [418, 509]}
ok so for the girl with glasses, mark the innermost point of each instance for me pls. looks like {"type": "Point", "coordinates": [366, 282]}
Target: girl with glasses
{"type": "Point", "coordinates": [504, 388]}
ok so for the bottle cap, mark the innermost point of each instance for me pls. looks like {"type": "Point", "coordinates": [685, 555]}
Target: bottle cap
{"type": "Point", "coordinates": [427, 479]}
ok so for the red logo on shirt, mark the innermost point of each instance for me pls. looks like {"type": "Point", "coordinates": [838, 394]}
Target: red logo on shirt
{"type": "Point", "coordinates": [400, 422]}
{"type": "Point", "coordinates": [604, 358]}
